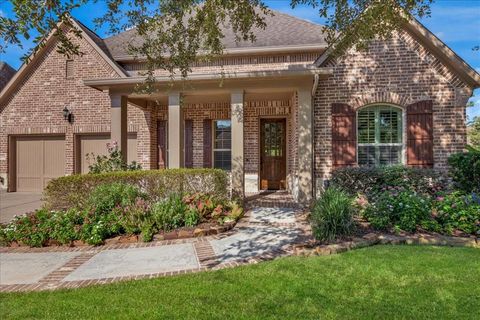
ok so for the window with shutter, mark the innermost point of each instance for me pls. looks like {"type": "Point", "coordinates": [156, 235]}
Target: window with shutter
{"type": "Point", "coordinates": [380, 135]}
{"type": "Point", "coordinates": [222, 144]}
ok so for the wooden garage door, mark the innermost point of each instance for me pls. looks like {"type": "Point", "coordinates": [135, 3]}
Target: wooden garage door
{"type": "Point", "coordinates": [38, 160]}
{"type": "Point", "coordinates": [97, 144]}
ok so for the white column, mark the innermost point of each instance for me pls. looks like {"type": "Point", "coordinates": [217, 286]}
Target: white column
{"type": "Point", "coordinates": [305, 146]}
{"type": "Point", "coordinates": [238, 175]}
{"type": "Point", "coordinates": [175, 131]}
{"type": "Point", "coordinates": [118, 125]}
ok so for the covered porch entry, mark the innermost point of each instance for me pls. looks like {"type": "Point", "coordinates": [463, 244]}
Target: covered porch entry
{"type": "Point", "coordinates": [260, 128]}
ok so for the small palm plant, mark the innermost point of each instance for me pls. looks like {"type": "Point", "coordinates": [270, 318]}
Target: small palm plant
{"type": "Point", "coordinates": [332, 215]}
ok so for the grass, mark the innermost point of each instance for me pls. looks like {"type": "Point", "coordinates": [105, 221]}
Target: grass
{"type": "Point", "coordinates": [383, 282]}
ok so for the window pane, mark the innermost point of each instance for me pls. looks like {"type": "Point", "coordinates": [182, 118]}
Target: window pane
{"type": "Point", "coordinates": [389, 126]}
{"type": "Point", "coordinates": [366, 126]}
{"type": "Point", "coordinates": [378, 128]}
{"type": "Point", "coordinates": [222, 144]}
{"type": "Point", "coordinates": [222, 160]}
{"type": "Point", "coordinates": [366, 156]}
{"type": "Point", "coordinates": [389, 155]}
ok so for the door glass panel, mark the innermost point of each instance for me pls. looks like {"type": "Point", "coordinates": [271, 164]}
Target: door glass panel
{"type": "Point", "coordinates": [273, 139]}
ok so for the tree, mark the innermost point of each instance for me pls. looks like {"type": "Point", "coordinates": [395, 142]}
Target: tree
{"type": "Point", "coordinates": [473, 132]}
{"type": "Point", "coordinates": [176, 33]}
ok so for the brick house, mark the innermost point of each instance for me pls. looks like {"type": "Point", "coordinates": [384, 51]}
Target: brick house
{"type": "Point", "coordinates": [280, 113]}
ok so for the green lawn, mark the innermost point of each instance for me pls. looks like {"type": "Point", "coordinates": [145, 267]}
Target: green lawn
{"type": "Point", "coordinates": [384, 282]}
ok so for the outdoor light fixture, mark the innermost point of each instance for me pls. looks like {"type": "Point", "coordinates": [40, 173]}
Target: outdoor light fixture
{"type": "Point", "coordinates": [67, 115]}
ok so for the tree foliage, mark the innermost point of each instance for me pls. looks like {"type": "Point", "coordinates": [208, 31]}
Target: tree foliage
{"type": "Point", "coordinates": [175, 33]}
{"type": "Point", "coordinates": [473, 132]}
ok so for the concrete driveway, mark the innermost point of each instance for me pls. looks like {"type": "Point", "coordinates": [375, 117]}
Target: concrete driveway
{"type": "Point", "coordinates": [18, 203]}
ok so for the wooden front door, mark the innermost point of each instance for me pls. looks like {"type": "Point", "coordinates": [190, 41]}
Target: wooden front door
{"type": "Point", "coordinates": [273, 154]}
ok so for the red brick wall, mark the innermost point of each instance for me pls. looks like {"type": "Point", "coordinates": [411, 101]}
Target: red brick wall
{"type": "Point", "coordinates": [36, 105]}
{"type": "Point", "coordinates": [398, 71]}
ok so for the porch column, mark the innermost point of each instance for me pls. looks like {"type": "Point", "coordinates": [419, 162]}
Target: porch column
{"type": "Point", "coordinates": [305, 146]}
{"type": "Point", "coordinates": [118, 126]}
{"type": "Point", "coordinates": [238, 174]}
{"type": "Point", "coordinates": [175, 131]}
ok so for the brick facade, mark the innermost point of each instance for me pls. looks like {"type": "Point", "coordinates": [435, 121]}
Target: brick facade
{"type": "Point", "coordinates": [400, 72]}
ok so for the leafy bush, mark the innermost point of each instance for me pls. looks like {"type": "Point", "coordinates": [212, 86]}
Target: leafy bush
{"type": "Point", "coordinates": [465, 170]}
{"type": "Point", "coordinates": [332, 215]}
{"type": "Point", "coordinates": [107, 196]}
{"type": "Point", "coordinates": [399, 208]}
{"type": "Point", "coordinates": [372, 181]}
{"type": "Point", "coordinates": [112, 162]}
{"type": "Point", "coordinates": [73, 191]}
{"type": "Point", "coordinates": [170, 214]}
{"type": "Point", "coordinates": [458, 211]}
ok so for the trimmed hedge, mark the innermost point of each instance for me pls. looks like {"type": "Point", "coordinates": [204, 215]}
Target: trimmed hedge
{"type": "Point", "coordinates": [73, 191]}
{"type": "Point", "coordinates": [374, 180]}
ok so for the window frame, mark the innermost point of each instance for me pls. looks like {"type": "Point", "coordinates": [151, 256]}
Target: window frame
{"type": "Point", "coordinates": [403, 134]}
{"type": "Point", "coordinates": [213, 143]}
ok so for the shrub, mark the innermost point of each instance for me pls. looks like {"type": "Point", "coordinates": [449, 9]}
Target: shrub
{"type": "Point", "coordinates": [398, 208]}
{"type": "Point", "coordinates": [458, 211]}
{"type": "Point", "coordinates": [112, 162]}
{"type": "Point", "coordinates": [371, 181]}
{"type": "Point", "coordinates": [74, 191]}
{"type": "Point", "coordinates": [66, 226]}
{"type": "Point", "coordinates": [107, 196]}
{"type": "Point", "coordinates": [465, 170]}
{"type": "Point", "coordinates": [170, 214]}
{"type": "Point", "coordinates": [332, 215]}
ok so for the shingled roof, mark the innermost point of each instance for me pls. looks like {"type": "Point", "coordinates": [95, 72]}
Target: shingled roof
{"type": "Point", "coordinates": [6, 73]}
{"type": "Point", "coordinates": [282, 30]}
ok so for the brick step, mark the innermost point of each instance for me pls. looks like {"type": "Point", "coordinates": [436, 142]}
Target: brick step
{"type": "Point", "coordinates": [272, 204]}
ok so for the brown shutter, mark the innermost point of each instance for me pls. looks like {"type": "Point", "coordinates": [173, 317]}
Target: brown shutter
{"type": "Point", "coordinates": [344, 135]}
{"type": "Point", "coordinates": [207, 143]}
{"type": "Point", "coordinates": [420, 134]}
{"type": "Point", "coordinates": [188, 143]}
{"type": "Point", "coordinates": [162, 143]}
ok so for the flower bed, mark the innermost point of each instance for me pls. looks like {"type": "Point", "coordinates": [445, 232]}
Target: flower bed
{"type": "Point", "coordinates": [400, 199]}
{"type": "Point", "coordinates": [124, 212]}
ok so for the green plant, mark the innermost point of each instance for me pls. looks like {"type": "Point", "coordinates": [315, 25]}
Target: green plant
{"type": "Point", "coordinates": [105, 197]}
{"type": "Point", "coordinates": [73, 191]}
{"type": "Point", "coordinates": [111, 162]}
{"type": "Point", "coordinates": [136, 217]}
{"type": "Point", "coordinates": [373, 180]}
{"type": "Point", "coordinates": [465, 169]}
{"type": "Point", "coordinates": [399, 209]}
{"type": "Point", "coordinates": [170, 213]}
{"type": "Point", "coordinates": [332, 215]}
{"type": "Point", "coordinates": [32, 229]}
{"type": "Point", "coordinates": [458, 211]}
{"type": "Point", "coordinates": [66, 226]}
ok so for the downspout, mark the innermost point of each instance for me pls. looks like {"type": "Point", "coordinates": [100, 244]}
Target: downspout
{"type": "Point", "coordinates": [314, 91]}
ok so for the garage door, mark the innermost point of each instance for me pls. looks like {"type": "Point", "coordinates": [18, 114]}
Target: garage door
{"type": "Point", "coordinates": [38, 160]}
{"type": "Point", "coordinates": [97, 145]}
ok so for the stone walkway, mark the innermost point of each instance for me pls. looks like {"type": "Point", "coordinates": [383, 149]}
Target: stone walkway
{"type": "Point", "coordinates": [262, 234]}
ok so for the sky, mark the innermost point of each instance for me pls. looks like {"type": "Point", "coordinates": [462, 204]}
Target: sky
{"type": "Point", "coordinates": [455, 22]}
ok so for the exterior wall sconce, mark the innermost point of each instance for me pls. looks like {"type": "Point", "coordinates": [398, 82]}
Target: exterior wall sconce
{"type": "Point", "coordinates": [67, 115]}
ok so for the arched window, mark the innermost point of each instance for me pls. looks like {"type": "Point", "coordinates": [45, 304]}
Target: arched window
{"type": "Point", "coordinates": [379, 135]}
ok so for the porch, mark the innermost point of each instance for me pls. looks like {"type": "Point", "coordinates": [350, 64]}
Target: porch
{"type": "Point", "coordinates": [258, 128]}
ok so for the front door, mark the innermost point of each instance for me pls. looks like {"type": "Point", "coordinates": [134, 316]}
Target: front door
{"type": "Point", "coordinates": [273, 165]}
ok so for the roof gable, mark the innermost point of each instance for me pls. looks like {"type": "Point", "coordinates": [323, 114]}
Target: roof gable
{"type": "Point", "coordinates": [437, 47]}
{"type": "Point", "coordinates": [87, 34]}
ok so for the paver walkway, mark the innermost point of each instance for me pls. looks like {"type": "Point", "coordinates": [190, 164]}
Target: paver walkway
{"type": "Point", "coordinates": [264, 233]}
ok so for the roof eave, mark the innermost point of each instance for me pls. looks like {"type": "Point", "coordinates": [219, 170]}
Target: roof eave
{"type": "Point", "coordinates": [243, 51]}
{"type": "Point", "coordinates": [105, 84]}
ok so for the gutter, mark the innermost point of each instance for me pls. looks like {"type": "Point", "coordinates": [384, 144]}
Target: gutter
{"type": "Point", "coordinates": [305, 71]}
